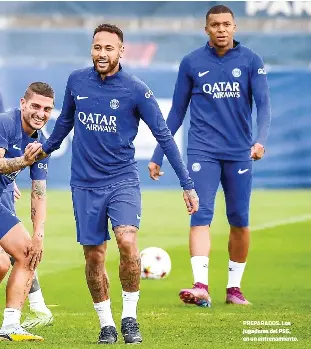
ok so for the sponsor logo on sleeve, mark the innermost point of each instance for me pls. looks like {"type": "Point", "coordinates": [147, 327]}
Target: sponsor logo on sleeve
{"type": "Point", "coordinates": [262, 71]}
{"type": "Point", "coordinates": [148, 94]}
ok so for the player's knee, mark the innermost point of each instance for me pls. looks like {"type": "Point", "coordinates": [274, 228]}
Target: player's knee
{"type": "Point", "coordinates": [127, 240]}
{"type": "Point", "coordinates": [94, 255]}
{"type": "Point", "coordinates": [15, 242]}
{"type": "Point", "coordinates": [4, 265]}
{"type": "Point", "coordinates": [18, 255]}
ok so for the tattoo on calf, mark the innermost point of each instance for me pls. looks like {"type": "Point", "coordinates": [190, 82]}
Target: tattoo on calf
{"type": "Point", "coordinates": [129, 271]}
{"type": "Point", "coordinates": [130, 265]}
{"type": "Point", "coordinates": [97, 281]}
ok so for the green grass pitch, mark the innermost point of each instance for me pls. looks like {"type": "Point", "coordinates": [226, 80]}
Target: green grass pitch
{"type": "Point", "coordinates": [277, 279]}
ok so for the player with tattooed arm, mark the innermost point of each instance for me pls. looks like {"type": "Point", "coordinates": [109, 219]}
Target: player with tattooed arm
{"type": "Point", "coordinates": [39, 314]}
{"type": "Point", "coordinates": [20, 143]}
{"type": "Point", "coordinates": [104, 104]}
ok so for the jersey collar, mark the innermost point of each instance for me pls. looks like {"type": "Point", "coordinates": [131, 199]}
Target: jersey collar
{"type": "Point", "coordinates": [236, 48]}
{"type": "Point", "coordinates": [108, 78]}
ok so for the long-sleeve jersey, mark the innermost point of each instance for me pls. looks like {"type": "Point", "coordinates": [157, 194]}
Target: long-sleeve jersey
{"type": "Point", "coordinates": [105, 115]}
{"type": "Point", "coordinates": [10, 186]}
{"type": "Point", "coordinates": [14, 140]}
{"type": "Point", "coordinates": [221, 91]}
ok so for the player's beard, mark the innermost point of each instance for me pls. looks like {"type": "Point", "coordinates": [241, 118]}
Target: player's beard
{"type": "Point", "coordinates": [29, 120]}
{"type": "Point", "coordinates": [110, 67]}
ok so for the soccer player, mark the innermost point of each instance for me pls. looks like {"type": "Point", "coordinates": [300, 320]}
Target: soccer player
{"type": "Point", "coordinates": [220, 80]}
{"type": "Point", "coordinates": [20, 144]}
{"type": "Point", "coordinates": [39, 314]}
{"type": "Point", "coordinates": [104, 104]}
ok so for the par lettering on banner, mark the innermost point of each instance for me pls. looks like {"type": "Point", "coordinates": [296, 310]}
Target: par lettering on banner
{"type": "Point", "coordinates": [276, 8]}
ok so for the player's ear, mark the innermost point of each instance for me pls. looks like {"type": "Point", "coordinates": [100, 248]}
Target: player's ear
{"type": "Point", "coordinates": [206, 29]}
{"type": "Point", "coordinates": [121, 51]}
{"type": "Point", "coordinates": [234, 27]}
{"type": "Point", "coordinates": [22, 102]}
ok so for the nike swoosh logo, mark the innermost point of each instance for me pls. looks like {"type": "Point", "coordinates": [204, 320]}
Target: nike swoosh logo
{"type": "Point", "coordinates": [203, 73]}
{"type": "Point", "coordinates": [80, 97]}
{"type": "Point", "coordinates": [16, 147]}
{"type": "Point", "coordinates": [242, 171]}
{"type": "Point", "coordinates": [137, 216]}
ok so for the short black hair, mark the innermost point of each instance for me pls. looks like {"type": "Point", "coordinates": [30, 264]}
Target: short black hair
{"type": "Point", "coordinates": [110, 28]}
{"type": "Point", "coordinates": [39, 88]}
{"type": "Point", "coordinates": [215, 10]}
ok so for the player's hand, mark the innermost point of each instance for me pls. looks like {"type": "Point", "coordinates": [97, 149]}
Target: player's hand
{"type": "Point", "coordinates": [191, 200]}
{"type": "Point", "coordinates": [42, 155]}
{"type": "Point", "coordinates": [154, 171]}
{"type": "Point", "coordinates": [34, 252]}
{"type": "Point", "coordinates": [32, 150]}
{"type": "Point", "coordinates": [17, 193]}
{"type": "Point", "coordinates": [257, 151]}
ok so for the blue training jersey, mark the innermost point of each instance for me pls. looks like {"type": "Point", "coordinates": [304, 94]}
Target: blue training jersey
{"type": "Point", "coordinates": [10, 187]}
{"type": "Point", "coordinates": [14, 140]}
{"type": "Point", "coordinates": [220, 91]}
{"type": "Point", "coordinates": [105, 115]}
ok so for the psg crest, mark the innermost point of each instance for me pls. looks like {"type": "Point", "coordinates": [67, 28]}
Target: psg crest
{"type": "Point", "coordinates": [114, 104]}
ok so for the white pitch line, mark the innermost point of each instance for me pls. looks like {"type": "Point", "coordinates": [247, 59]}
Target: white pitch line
{"type": "Point", "coordinates": [274, 224]}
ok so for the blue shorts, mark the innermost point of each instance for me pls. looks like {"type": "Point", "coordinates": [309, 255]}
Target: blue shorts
{"type": "Point", "coordinates": [7, 200]}
{"type": "Point", "coordinates": [8, 218]}
{"type": "Point", "coordinates": [121, 202]}
{"type": "Point", "coordinates": [236, 180]}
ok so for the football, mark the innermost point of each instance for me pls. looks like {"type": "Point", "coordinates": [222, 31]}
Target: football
{"type": "Point", "coordinates": [155, 263]}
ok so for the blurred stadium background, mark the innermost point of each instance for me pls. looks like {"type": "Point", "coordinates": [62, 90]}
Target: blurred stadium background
{"type": "Point", "coordinates": [47, 40]}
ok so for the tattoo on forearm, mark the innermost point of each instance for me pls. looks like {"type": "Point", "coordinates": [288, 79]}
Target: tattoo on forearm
{"type": "Point", "coordinates": [130, 264]}
{"type": "Point", "coordinates": [192, 194]}
{"type": "Point", "coordinates": [38, 209]}
{"type": "Point", "coordinates": [40, 233]}
{"type": "Point", "coordinates": [33, 213]}
{"type": "Point", "coordinates": [97, 281]}
{"type": "Point", "coordinates": [11, 165]}
{"type": "Point", "coordinates": [38, 189]}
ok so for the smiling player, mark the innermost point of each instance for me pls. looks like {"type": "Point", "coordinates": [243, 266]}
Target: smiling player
{"type": "Point", "coordinates": [105, 104]}
{"type": "Point", "coordinates": [39, 314]}
{"type": "Point", "coordinates": [20, 143]}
